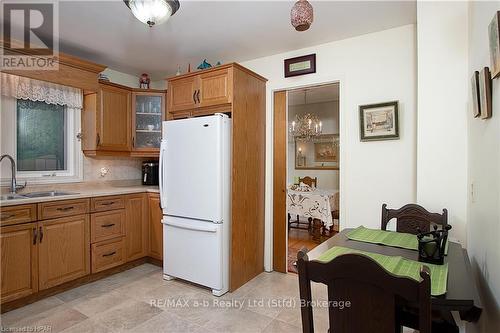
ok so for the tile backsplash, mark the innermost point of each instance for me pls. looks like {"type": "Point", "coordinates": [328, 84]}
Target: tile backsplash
{"type": "Point", "coordinates": [117, 168]}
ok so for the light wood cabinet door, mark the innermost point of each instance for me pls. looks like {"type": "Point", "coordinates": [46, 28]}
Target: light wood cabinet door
{"type": "Point", "coordinates": [137, 226]}
{"type": "Point", "coordinates": [182, 94]}
{"type": "Point", "coordinates": [156, 228]}
{"type": "Point", "coordinates": [215, 88]}
{"type": "Point", "coordinates": [114, 119]}
{"type": "Point", "coordinates": [19, 261]}
{"type": "Point", "coordinates": [63, 250]}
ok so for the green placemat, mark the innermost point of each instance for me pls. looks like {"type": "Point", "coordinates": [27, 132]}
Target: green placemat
{"type": "Point", "coordinates": [398, 266]}
{"type": "Point", "coordinates": [384, 237]}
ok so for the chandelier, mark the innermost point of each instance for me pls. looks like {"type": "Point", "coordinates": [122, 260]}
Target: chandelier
{"type": "Point", "coordinates": [306, 127]}
{"type": "Point", "coordinates": [152, 12]}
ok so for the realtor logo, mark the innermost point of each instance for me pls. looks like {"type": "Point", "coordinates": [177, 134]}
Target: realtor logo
{"type": "Point", "coordinates": [30, 35]}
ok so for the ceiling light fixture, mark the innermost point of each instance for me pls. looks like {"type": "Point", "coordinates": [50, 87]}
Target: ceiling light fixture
{"type": "Point", "coordinates": [301, 15]}
{"type": "Point", "coordinates": [153, 12]}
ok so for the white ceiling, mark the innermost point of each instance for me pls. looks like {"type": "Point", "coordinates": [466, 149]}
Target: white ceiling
{"type": "Point", "coordinates": [106, 31]}
{"type": "Point", "coordinates": [311, 95]}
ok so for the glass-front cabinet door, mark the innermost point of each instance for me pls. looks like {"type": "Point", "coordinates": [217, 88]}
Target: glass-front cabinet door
{"type": "Point", "coordinates": [148, 113]}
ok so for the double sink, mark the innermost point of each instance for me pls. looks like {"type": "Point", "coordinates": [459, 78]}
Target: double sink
{"type": "Point", "coordinates": [15, 196]}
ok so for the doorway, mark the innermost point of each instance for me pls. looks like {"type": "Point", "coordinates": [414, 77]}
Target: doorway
{"type": "Point", "coordinates": [306, 170]}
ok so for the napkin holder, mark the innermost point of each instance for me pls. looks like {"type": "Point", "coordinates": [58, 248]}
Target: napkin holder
{"type": "Point", "coordinates": [432, 245]}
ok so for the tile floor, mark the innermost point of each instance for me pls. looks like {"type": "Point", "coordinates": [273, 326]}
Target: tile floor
{"type": "Point", "coordinates": [140, 300]}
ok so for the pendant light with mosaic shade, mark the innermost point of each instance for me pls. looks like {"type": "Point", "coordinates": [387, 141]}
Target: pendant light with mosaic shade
{"type": "Point", "coordinates": [301, 15]}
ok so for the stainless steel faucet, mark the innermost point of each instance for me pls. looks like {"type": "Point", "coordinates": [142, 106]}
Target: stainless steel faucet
{"type": "Point", "coordinates": [13, 183]}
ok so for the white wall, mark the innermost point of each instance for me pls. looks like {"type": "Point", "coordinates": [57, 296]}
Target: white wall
{"type": "Point", "coordinates": [483, 227]}
{"type": "Point", "coordinates": [442, 110]}
{"type": "Point", "coordinates": [130, 80]}
{"type": "Point", "coordinates": [372, 68]}
{"type": "Point", "coordinates": [328, 113]}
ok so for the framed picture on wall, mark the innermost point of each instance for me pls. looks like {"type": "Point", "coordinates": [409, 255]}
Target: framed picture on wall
{"type": "Point", "coordinates": [485, 93]}
{"type": "Point", "coordinates": [476, 101]}
{"type": "Point", "coordinates": [325, 152]}
{"type": "Point", "coordinates": [494, 41]}
{"type": "Point", "coordinates": [300, 65]}
{"type": "Point", "coordinates": [379, 121]}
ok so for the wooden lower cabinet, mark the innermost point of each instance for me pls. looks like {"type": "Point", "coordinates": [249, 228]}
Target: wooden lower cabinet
{"type": "Point", "coordinates": [156, 228]}
{"type": "Point", "coordinates": [63, 250]}
{"type": "Point", "coordinates": [19, 261]}
{"type": "Point", "coordinates": [137, 226]}
{"type": "Point", "coordinates": [108, 254]}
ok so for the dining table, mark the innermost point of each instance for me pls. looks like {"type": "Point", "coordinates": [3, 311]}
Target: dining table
{"type": "Point", "coordinates": [316, 204]}
{"type": "Point", "coordinates": [461, 294]}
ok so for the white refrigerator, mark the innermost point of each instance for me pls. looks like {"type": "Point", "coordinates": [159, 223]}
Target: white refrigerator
{"type": "Point", "coordinates": [195, 184]}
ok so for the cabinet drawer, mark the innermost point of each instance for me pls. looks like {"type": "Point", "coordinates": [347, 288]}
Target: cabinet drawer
{"type": "Point", "coordinates": [107, 203]}
{"type": "Point", "coordinates": [108, 254]}
{"type": "Point", "coordinates": [180, 114]}
{"type": "Point", "coordinates": [55, 209]}
{"type": "Point", "coordinates": [17, 214]}
{"type": "Point", "coordinates": [107, 225]}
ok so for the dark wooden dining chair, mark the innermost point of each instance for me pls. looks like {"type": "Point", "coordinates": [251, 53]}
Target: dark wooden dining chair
{"type": "Point", "coordinates": [313, 182]}
{"type": "Point", "coordinates": [297, 224]}
{"type": "Point", "coordinates": [412, 217]}
{"type": "Point", "coordinates": [375, 296]}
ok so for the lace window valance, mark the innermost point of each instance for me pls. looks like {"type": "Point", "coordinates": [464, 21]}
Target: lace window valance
{"type": "Point", "coordinates": [34, 90]}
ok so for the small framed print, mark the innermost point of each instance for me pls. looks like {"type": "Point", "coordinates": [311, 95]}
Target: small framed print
{"type": "Point", "coordinates": [485, 93]}
{"type": "Point", "coordinates": [379, 121]}
{"type": "Point", "coordinates": [476, 101]}
{"type": "Point", "coordinates": [494, 40]}
{"type": "Point", "coordinates": [300, 65]}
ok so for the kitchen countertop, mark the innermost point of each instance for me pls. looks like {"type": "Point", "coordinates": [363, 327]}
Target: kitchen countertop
{"type": "Point", "coordinates": [81, 190]}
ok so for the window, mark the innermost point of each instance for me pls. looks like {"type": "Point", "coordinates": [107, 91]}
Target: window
{"type": "Point", "coordinates": [41, 137]}
{"type": "Point", "coordinates": [39, 123]}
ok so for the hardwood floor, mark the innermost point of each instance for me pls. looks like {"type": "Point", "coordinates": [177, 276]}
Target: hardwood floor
{"type": "Point", "coordinates": [298, 239]}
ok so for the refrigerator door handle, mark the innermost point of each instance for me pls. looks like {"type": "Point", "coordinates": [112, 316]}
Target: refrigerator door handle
{"type": "Point", "coordinates": [181, 225]}
{"type": "Point", "coordinates": [163, 148]}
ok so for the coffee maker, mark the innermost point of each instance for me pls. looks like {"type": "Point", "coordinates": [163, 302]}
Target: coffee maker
{"type": "Point", "coordinates": [150, 173]}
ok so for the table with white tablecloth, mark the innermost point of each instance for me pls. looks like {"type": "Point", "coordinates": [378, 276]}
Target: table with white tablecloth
{"type": "Point", "coordinates": [316, 204]}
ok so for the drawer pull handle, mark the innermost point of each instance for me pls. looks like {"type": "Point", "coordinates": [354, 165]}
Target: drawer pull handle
{"type": "Point", "coordinates": [7, 216]}
{"type": "Point", "coordinates": [109, 203]}
{"type": "Point", "coordinates": [109, 254]}
{"type": "Point", "coordinates": [34, 235]}
{"type": "Point", "coordinates": [65, 209]}
{"type": "Point", "coordinates": [107, 225]}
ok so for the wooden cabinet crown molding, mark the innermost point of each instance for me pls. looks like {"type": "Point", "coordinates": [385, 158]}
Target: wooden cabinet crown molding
{"type": "Point", "coordinates": [62, 58]}
{"type": "Point", "coordinates": [215, 68]}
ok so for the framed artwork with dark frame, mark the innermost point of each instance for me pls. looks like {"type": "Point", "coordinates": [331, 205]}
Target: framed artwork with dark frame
{"type": "Point", "coordinates": [476, 101]}
{"type": "Point", "coordinates": [485, 93]}
{"type": "Point", "coordinates": [379, 121]}
{"type": "Point", "coordinates": [494, 41]}
{"type": "Point", "coordinates": [300, 65]}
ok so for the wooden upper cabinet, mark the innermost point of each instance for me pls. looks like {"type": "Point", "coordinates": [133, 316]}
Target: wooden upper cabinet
{"type": "Point", "coordinates": [63, 250]}
{"type": "Point", "coordinates": [215, 88]}
{"type": "Point", "coordinates": [194, 93]}
{"type": "Point", "coordinates": [19, 264]}
{"type": "Point", "coordinates": [148, 112]}
{"type": "Point", "coordinates": [114, 119]}
{"type": "Point", "coordinates": [182, 94]}
{"type": "Point", "coordinates": [137, 226]}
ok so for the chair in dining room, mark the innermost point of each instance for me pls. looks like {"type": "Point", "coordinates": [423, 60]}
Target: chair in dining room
{"type": "Point", "coordinates": [311, 182]}
{"type": "Point", "coordinates": [411, 218]}
{"type": "Point", "coordinates": [375, 296]}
